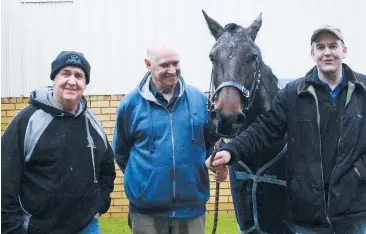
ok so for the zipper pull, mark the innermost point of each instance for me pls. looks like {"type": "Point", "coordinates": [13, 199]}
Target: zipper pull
{"type": "Point", "coordinates": [328, 220]}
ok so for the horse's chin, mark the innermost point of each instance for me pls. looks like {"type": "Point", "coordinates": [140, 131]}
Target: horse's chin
{"type": "Point", "coordinates": [227, 131]}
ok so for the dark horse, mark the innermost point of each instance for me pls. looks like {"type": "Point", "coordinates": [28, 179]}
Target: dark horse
{"type": "Point", "coordinates": [243, 88]}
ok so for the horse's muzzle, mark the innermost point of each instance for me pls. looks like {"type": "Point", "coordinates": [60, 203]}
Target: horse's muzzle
{"type": "Point", "coordinates": [228, 125]}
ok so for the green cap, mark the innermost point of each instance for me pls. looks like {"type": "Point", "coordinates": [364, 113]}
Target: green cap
{"type": "Point", "coordinates": [329, 29]}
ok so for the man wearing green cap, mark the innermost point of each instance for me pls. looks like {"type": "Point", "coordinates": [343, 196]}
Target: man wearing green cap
{"type": "Point", "coordinates": [324, 114]}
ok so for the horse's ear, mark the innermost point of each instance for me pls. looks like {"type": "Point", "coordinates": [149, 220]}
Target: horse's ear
{"type": "Point", "coordinates": [254, 27]}
{"type": "Point", "coordinates": [215, 28]}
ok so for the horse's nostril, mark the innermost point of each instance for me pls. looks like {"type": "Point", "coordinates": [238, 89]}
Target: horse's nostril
{"type": "Point", "coordinates": [214, 114]}
{"type": "Point", "coordinates": [240, 118]}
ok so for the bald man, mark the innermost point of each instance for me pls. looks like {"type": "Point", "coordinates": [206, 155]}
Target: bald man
{"type": "Point", "coordinates": [161, 141]}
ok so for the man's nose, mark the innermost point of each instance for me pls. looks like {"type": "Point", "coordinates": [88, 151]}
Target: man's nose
{"type": "Point", "coordinates": [72, 80]}
{"type": "Point", "coordinates": [327, 51]}
{"type": "Point", "coordinates": [172, 69]}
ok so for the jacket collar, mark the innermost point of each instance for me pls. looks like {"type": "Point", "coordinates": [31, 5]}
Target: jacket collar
{"type": "Point", "coordinates": [352, 77]}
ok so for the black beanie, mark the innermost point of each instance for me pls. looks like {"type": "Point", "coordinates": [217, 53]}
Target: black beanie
{"type": "Point", "coordinates": [70, 58]}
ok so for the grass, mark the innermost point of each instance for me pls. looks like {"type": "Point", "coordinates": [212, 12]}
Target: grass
{"type": "Point", "coordinates": [226, 225]}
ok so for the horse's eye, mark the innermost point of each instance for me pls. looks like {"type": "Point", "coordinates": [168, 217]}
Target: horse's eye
{"type": "Point", "coordinates": [211, 57]}
{"type": "Point", "coordinates": [253, 58]}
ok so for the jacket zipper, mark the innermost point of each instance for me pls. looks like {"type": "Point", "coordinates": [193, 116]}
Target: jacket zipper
{"type": "Point", "coordinates": [339, 141]}
{"type": "Point", "coordinates": [321, 158]}
{"type": "Point", "coordinates": [173, 148]}
{"type": "Point", "coordinates": [174, 171]}
{"type": "Point", "coordinates": [321, 165]}
{"type": "Point", "coordinates": [330, 180]}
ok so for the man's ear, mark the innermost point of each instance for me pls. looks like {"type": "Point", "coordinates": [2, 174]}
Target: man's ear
{"type": "Point", "coordinates": [344, 52]}
{"type": "Point", "coordinates": [312, 48]}
{"type": "Point", "coordinates": [148, 64]}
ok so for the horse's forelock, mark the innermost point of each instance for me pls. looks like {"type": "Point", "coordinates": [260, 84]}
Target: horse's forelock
{"type": "Point", "coordinates": [232, 27]}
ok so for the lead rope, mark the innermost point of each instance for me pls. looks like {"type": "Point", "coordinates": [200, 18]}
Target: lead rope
{"type": "Point", "coordinates": [257, 178]}
{"type": "Point", "coordinates": [217, 193]}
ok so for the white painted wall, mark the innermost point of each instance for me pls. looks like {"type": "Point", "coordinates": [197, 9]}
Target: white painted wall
{"type": "Point", "coordinates": [113, 35]}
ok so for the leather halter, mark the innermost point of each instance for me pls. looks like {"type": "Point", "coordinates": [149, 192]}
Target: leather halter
{"type": "Point", "coordinates": [247, 94]}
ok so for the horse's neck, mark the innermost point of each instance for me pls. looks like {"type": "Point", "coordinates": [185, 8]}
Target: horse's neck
{"type": "Point", "coordinates": [268, 84]}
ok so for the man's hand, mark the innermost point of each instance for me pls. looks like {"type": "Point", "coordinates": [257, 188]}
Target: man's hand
{"type": "Point", "coordinates": [222, 158]}
{"type": "Point", "coordinates": [221, 174]}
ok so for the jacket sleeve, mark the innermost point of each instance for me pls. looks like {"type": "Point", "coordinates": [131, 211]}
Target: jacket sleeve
{"type": "Point", "coordinates": [361, 162]}
{"type": "Point", "coordinates": [11, 173]}
{"type": "Point", "coordinates": [262, 134]}
{"type": "Point", "coordinates": [122, 141]}
{"type": "Point", "coordinates": [107, 175]}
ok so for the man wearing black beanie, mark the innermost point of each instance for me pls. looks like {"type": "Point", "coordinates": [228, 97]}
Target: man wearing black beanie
{"type": "Point", "coordinates": [57, 165]}
{"type": "Point", "coordinates": [70, 58]}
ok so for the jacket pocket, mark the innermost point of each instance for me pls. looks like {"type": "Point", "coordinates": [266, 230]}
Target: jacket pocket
{"type": "Point", "coordinates": [189, 191]}
{"type": "Point", "coordinates": [158, 191]}
{"type": "Point", "coordinates": [344, 192]}
{"type": "Point", "coordinates": [306, 198]}
{"type": "Point", "coordinates": [198, 130]}
{"type": "Point", "coordinates": [67, 212]}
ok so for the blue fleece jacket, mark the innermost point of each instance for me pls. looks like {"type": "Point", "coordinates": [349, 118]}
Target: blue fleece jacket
{"type": "Point", "coordinates": [163, 154]}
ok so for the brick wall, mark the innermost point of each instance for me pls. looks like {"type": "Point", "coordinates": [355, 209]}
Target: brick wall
{"type": "Point", "coordinates": [104, 107]}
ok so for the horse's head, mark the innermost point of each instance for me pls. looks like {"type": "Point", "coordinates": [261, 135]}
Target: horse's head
{"type": "Point", "coordinates": [235, 61]}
